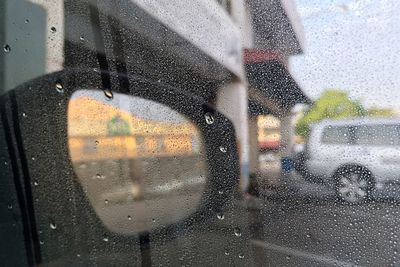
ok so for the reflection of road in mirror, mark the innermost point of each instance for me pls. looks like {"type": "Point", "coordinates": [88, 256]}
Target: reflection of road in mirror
{"type": "Point", "coordinates": [140, 163]}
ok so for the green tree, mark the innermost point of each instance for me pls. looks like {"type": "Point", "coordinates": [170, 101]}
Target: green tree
{"type": "Point", "coordinates": [380, 112]}
{"type": "Point", "coordinates": [118, 126]}
{"type": "Point", "coordinates": [332, 104]}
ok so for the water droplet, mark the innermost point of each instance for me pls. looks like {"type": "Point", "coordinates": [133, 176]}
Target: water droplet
{"type": "Point", "coordinates": [129, 218]}
{"type": "Point", "coordinates": [53, 226]}
{"type": "Point", "coordinates": [105, 239]}
{"type": "Point", "coordinates": [220, 216]}
{"type": "Point", "coordinates": [209, 118]}
{"type": "Point", "coordinates": [100, 177]}
{"type": "Point", "coordinates": [223, 149]}
{"type": "Point", "coordinates": [96, 142]}
{"type": "Point", "coordinates": [153, 220]}
{"type": "Point", "coordinates": [237, 231]}
{"type": "Point", "coordinates": [41, 242]}
{"type": "Point", "coordinates": [227, 252]}
{"type": "Point", "coordinates": [6, 48]}
{"type": "Point", "coordinates": [108, 94]}
{"type": "Point", "coordinates": [308, 236]}
{"type": "Point", "coordinates": [53, 29]}
{"type": "Point", "coordinates": [33, 158]}
{"type": "Point", "coordinates": [10, 206]}
{"type": "Point", "coordinates": [59, 87]}
{"type": "Point", "coordinates": [241, 256]}
{"type": "Point", "coordinates": [106, 201]}
{"type": "Point", "coordinates": [78, 255]}
{"type": "Point", "coordinates": [26, 21]}
{"type": "Point", "coordinates": [82, 38]}
{"type": "Point", "coordinates": [220, 192]}
{"type": "Point", "coordinates": [35, 183]}
{"type": "Point", "coordinates": [24, 114]}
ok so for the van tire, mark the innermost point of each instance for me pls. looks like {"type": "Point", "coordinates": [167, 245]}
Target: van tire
{"type": "Point", "coordinates": [353, 184]}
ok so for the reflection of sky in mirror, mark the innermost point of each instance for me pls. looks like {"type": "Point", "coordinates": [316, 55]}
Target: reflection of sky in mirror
{"type": "Point", "coordinates": [142, 108]}
{"type": "Point", "coordinates": [352, 45]}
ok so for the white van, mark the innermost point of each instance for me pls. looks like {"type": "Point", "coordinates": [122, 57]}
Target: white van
{"type": "Point", "coordinates": [356, 156]}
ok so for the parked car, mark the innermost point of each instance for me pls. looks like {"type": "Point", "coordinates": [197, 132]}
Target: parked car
{"type": "Point", "coordinates": [355, 156]}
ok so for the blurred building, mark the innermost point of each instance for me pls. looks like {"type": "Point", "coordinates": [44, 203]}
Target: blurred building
{"type": "Point", "coordinates": [277, 35]}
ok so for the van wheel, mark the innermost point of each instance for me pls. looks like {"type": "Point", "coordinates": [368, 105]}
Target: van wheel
{"type": "Point", "coordinates": [353, 184]}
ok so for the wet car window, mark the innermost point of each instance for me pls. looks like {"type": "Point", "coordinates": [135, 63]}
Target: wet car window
{"type": "Point", "coordinates": [336, 135]}
{"type": "Point", "coordinates": [378, 135]}
{"type": "Point", "coordinates": [199, 133]}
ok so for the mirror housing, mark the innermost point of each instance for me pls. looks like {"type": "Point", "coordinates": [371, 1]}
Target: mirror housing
{"type": "Point", "coordinates": [35, 122]}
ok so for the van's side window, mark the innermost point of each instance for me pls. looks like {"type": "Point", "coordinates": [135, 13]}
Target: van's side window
{"type": "Point", "coordinates": [378, 135]}
{"type": "Point", "coordinates": [336, 135]}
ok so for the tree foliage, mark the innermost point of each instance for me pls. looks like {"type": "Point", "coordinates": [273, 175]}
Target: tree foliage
{"type": "Point", "coordinates": [380, 112]}
{"type": "Point", "coordinates": [332, 104]}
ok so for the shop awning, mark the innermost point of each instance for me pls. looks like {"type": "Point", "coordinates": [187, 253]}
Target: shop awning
{"type": "Point", "coordinates": [272, 88]}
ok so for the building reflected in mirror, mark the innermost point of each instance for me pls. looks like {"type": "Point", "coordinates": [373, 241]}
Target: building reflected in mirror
{"type": "Point", "coordinates": [135, 157]}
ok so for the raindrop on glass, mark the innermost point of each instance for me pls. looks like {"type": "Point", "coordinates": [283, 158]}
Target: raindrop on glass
{"type": "Point", "coordinates": [227, 252]}
{"type": "Point", "coordinates": [209, 118]}
{"type": "Point", "coordinates": [129, 218]}
{"type": "Point", "coordinates": [41, 242]}
{"type": "Point", "coordinates": [241, 256]}
{"type": "Point", "coordinates": [220, 216]}
{"type": "Point", "coordinates": [237, 231]}
{"type": "Point", "coordinates": [53, 29]}
{"type": "Point", "coordinates": [105, 239]}
{"type": "Point", "coordinates": [99, 176]}
{"type": "Point", "coordinates": [108, 94]}
{"type": "Point", "coordinates": [26, 21]}
{"type": "Point", "coordinates": [223, 149]}
{"type": "Point", "coordinates": [220, 192]}
{"type": "Point", "coordinates": [53, 226]}
{"type": "Point", "coordinates": [6, 48]}
{"type": "Point", "coordinates": [59, 87]}
{"type": "Point", "coordinates": [24, 115]}
{"type": "Point", "coordinates": [106, 201]}
{"type": "Point", "coordinates": [9, 206]}
{"type": "Point", "coordinates": [35, 183]}
{"type": "Point", "coordinates": [81, 38]}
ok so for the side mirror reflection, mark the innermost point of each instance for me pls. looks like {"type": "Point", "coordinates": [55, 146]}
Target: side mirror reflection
{"type": "Point", "coordinates": [140, 163]}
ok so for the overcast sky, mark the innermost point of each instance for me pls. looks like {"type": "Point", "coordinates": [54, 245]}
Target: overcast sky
{"type": "Point", "coordinates": [353, 45]}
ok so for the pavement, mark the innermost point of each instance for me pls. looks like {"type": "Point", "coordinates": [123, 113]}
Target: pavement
{"type": "Point", "coordinates": [301, 224]}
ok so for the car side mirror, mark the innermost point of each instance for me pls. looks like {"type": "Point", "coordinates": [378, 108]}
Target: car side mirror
{"type": "Point", "coordinates": [113, 162]}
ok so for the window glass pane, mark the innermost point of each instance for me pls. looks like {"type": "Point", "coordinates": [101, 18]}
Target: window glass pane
{"type": "Point", "coordinates": [377, 135]}
{"type": "Point", "coordinates": [336, 135]}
